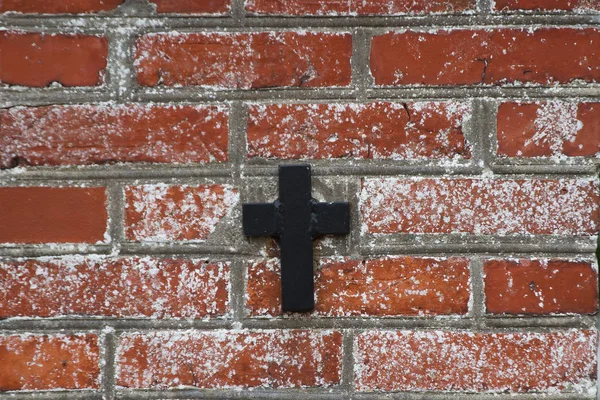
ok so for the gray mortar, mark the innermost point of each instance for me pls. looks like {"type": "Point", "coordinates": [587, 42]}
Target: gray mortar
{"type": "Point", "coordinates": [334, 180]}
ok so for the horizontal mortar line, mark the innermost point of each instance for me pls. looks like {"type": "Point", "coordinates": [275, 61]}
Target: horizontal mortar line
{"type": "Point", "coordinates": [53, 394]}
{"type": "Point", "coordinates": [42, 250]}
{"type": "Point", "coordinates": [583, 321]}
{"type": "Point", "coordinates": [323, 254]}
{"type": "Point", "coordinates": [101, 175]}
{"type": "Point", "coordinates": [590, 169]}
{"type": "Point", "coordinates": [345, 168]}
{"type": "Point", "coordinates": [334, 392]}
{"type": "Point", "coordinates": [477, 91]}
{"type": "Point", "coordinates": [501, 249]}
{"type": "Point", "coordinates": [587, 256]}
{"type": "Point", "coordinates": [119, 172]}
{"type": "Point", "coordinates": [490, 323]}
{"type": "Point", "coordinates": [372, 93]}
{"type": "Point", "coordinates": [462, 395]}
{"type": "Point", "coordinates": [13, 98]}
{"type": "Point", "coordinates": [268, 22]}
{"type": "Point", "coordinates": [284, 93]}
{"type": "Point", "coordinates": [284, 394]}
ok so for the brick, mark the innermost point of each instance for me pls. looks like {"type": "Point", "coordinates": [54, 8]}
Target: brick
{"type": "Point", "coordinates": [58, 7]}
{"type": "Point", "coordinates": [44, 362]}
{"type": "Point", "coordinates": [217, 7]}
{"type": "Point", "coordinates": [53, 215]}
{"type": "Point", "coordinates": [37, 60]}
{"type": "Point", "coordinates": [386, 286]}
{"type": "Point", "coordinates": [230, 359]}
{"type": "Point", "coordinates": [244, 60]}
{"type": "Point", "coordinates": [162, 213]}
{"type": "Point", "coordinates": [108, 133]}
{"type": "Point", "coordinates": [124, 287]}
{"type": "Point", "coordinates": [492, 57]}
{"type": "Point", "coordinates": [540, 287]}
{"type": "Point", "coordinates": [480, 206]}
{"type": "Point", "coordinates": [378, 130]}
{"type": "Point", "coordinates": [475, 362]}
{"type": "Point", "coordinates": [546, 129]}
{"type": "Point", "coordinates": [547, 5]}
{"type": "Point", "coordinates": [357, 7]}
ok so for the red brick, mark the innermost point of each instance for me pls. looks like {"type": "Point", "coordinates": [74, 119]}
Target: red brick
{"type": "Point", "coordinates": [540, 287]}
{"type": "Point", "coordinates": [101, 286]}
{"type": "Point", "coordinates": [97, 134]}
{"type": "Point", "coordinates": [357, 7]}
{"type": "Point", "coordinates": [377, 287]}
{"type": "Point", "coordinates": [547, 129]}
{"type": "Point", "coordinates": [218, 7]}
{"type": "Point", "coordinates": [160, 213]}
{"type": "Point", "coordinates": [58, 7]}
{"type": "Point", "coordinates": [480, 206]}
{"type": "Point", "coordinates": [492, 57]}
{"type": "Point", "coordinates": [230, 359]}
{"type": "Point", "coordinates": [547, 5]}
{"type": "Point", "coordinates": [358, 131]}
{"type": "Point", "coordinates": [53, 215]}
{"type": "Point", "coordinates": [37, 60]}
{"type": "Point", "coordinates": [477, 362]}
{"type": "Point", "coordinates": [41, 362]}
{"type": "Point", "coordinates": [244, 60]}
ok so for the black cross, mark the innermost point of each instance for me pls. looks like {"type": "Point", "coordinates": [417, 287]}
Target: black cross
{"type": "Point", "coordinates": [296, 218]}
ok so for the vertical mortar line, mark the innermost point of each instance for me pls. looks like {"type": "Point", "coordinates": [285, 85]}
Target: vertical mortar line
{"type": "Point", "coordinates": [238, 282]}
{"type": "Point", "coordinates": [108, 355]}
{"type": "Point", "coordinates": [354, 240]}
{"type": "Point", "coordinates": [485, 7]}
{"type": "Point", "coordinates": [238, 13]}
{"type": "Point", "coordinates": [474, 130]}
{"type": "Point", "coordinates": [484, 127]}
{"type": "Point", "coordinates": [478, 309]}
{"type": "Point", "coordinates": [359, 62]}
{"type": "Point", "coordinates": [347, 382]}
{"type": "Point", "coordinates": [116, 211]}
{"type": "Point", "coordinates": [238, 119]}
{"type": "Point", "coordinates": [120, 63]}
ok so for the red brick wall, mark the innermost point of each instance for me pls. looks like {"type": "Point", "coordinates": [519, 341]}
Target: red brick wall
{"type": "Point", "coordinates": [464, 133]}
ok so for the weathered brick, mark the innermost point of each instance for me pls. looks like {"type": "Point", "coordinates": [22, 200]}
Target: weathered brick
{"type": "Point", "coordinates": [545, 129]}
{"type": "Point", "coordinates": [492, 57]}
{"type": "Point", "coordinates": [475, 362]}
{"type": "Point", "coordinates": [357, 7]}
{"type": "Point", "coordinates": [217, 7]}
{"type": "Point", "coordinates": [358, 131]}
{"type": "Point", "coordinates": [124, 287]}
{"type": "Point", "coordinates": [37, 60]}
{"type": "Point", "coordinates": [540, 287]}
{"type": "Point", "coordinates": [97, 134]}
{"type": "Point", "coordinates": [244, 60]}
{"type": "Point", "coordinates": [547, 5]}
{"type": "Point", "coordinates": [53, 215]}
{"type": "Point", "coordinates": [480, 206]}
{"type": "Point", "coordinates": [41, 362]}
{"type": "Point", "coordinates": [58, 7]}
{"type": "Point", "coordinates": [163, 213]}
{"type": "Point", "coordinates": [230, 359]}
{"type": "Point", "coordinates": [376, 287]}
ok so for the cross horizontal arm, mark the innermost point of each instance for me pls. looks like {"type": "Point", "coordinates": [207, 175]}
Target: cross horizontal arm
{"type": "Point", "coordinates": [260, 219]}
{"type": "Point", "coordinates": [331, 219]}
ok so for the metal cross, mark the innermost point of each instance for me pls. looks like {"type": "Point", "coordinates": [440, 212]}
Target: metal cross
{"type": "Point", "coordinates": [296, 218]}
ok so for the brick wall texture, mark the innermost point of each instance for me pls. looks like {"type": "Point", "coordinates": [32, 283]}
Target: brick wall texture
{"type": "Point", "coordinates": [465, 134]}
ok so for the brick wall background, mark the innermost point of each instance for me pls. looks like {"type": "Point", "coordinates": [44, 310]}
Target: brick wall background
{"type": "Point", "coordinates": [465, 134]}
